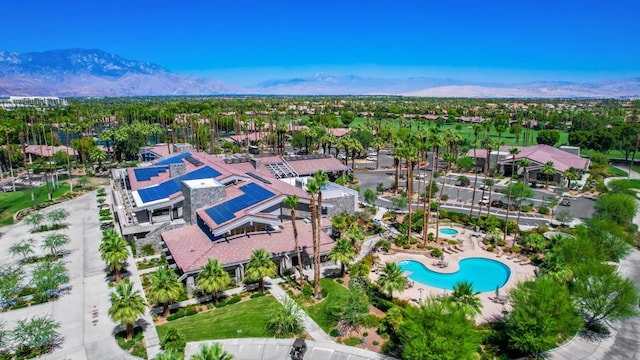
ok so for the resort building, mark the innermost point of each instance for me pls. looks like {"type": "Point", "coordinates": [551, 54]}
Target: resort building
{"type": "Point", "coordinates": [563, 159]}
{"type": "Point", "coordinates": [201, 206]}
{"type": "Point", "coordinates": [37, 151]}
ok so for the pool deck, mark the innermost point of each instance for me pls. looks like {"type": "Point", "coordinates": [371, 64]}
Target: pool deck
{"type": "Point", "coordinates": [490, 309]}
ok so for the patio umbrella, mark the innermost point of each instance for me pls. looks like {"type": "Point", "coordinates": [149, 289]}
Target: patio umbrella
{"type": "Point", "coordinates": [497, 291]}
{"type": "Point", "coordinates": [442, 257]}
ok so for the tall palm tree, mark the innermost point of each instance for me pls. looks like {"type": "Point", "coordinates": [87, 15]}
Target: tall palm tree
{"type": "Point", "coordinates": [524, 163]}
{"type": "Point", "coordinates": [114, 251]}
{"type": "Point", "coordinates": [475, 144]}
{"type": "Point", "coordinates": [259, 266]}
{"type": "Point", "coordinates": [6, 129]}
{"type": "Point", "coordinates": [312, 190]}
{"type": "Point", "coordinates": [391, 278]}
{"type": "Point", "coordinates": [165, 288]}
{"type": "Point", "coordinates": [513, 152]}
{"type": "Point", "coordinates": [212, 352]}
{"type": "Point", "coordinates": [448, 158]}
{"type": "Point", "coordinates": [213, 278]}
{"type": "Point", "coordinates": [343, 252]}
{"type": "Point", "coordinates": [292, 202]}
{"type": "Point", "coordinates": [126, 306]}
{"type": "Point", "coordinates": [489, 183]}
{"type": "Point", "coordinates": [466, 299]}
{"type": "Point", "coordinates": [548, 169]}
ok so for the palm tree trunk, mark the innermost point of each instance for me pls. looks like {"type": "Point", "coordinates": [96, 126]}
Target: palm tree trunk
{"type": "Point", "coordinates": [410, 196]}
{"type": "Point", "coordinates": [489, 202]}
{"type": "Point", "coordinates": [316, 243]}
{"type": "Point", "coordinates": [316, 281]}
{"type": "Point", "coordinates": [444, 182]}
{"type": "Point", "coordinates": [295, 240]}
{"type": "Point", "coordinates": [475, 185]}
{"type": "Point", "coordinates": [117, 271]}
{"type": "Point", "coordinates": [165, 310]}
{"type": "Point", "coordinates": [129, 331]}
{"type": "Point", "coordinates": [261, 285]}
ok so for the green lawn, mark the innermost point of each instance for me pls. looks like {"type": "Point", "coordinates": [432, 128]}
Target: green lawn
{"type": "Point", "coordinates": [12, 202]}
{"type": "Point", "coordinates": [224, 323]}
{"type": "Point", "coordinates": [466, 132]}
{"type": "Point", "coordinates": [320, 313]}
{"type": "Point", "coordinates": [615, 172]}
{"type": "Point", "coordinates": [629, 184]}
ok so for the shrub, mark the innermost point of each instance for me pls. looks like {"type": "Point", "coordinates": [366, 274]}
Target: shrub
{"type": "Point", "coordinates": [257, 295]}
{"type": "Point", "coordinates": [527, 208]}
{"type": "Point", "coordinates": [406, 246]}
{"type": "Point", "coordinates": [307, 291]}
{"type": "Point", "coordinates": [436, 252]}
{"type": "Point", "coordinates": [370, 321]}
{"type": "Point", "coordinates": [543, 210]}
{"type": "Point", "coordinates": [335, 333]}
{"type": "Point", "coordinates": [375, 343]}
{"type": "Point", "coordinates": [444, 197]}
{"type": "Point", "coordinates": [147, 250]}
{"type": "Point", "coordinates": [490, 248]}
{"type": "Point", "coordinates": [105, 212]}
{"type": "Point", "coordinates": [234, 299]}
{"type": "Point", "coordinates": [174, 341]}
{"type": "Point", "coordinates": [516, 249]}
{"type": "Point", "coordinates": [352, 341]}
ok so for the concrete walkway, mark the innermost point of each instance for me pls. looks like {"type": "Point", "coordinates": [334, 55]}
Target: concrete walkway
{"type": "Point", "coordinates": [268, 349]}
{"type": "Point", "coordinates": [624, 340]}
{"type": "Point", "coordinates": [85, 326]}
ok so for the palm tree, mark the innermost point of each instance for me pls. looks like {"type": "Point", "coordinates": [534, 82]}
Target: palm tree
{"type": "Point", "coordinates": [114, 251]}
{"type": "Point", "coordinates": [259, 266]}
{"type": "Point", "coordinates": [391, 278]}
{"type": "Point", "coordinates": [292, 202]}
{"type": "Point", "coordinates": [466, 299]}
{"type": "Point", "coordinates": [548, 169]}
{"type": "Point", "coordinates": [126, 306]}
{"type": "Point", "coordinates": [475, 144]}
{"type": "Point", "coordinates": [165, 288]}
{"type": "Point", "coordinates": [168, 355]}
{"type": "Point", "coordinates": [213, 278]}
{"type": "Point", "coordinates": [212, 352]}
{"type": "Point", "coordinates": [6, 129]}
{"type": "Point", "coordinates": [571, 174]}
{"type": "Point", "coordinates": [448, 158]}
{"type": "Point", "coordinates": [312, 190]}
{"type": "Point", "coordinates": [524, 163]}
{"type": "Point", "coordinates": [343, 252]}
{"type": "Point", "coordinates": [513, 152]}
{"type": "Point", "coordinates": [98, 156]}
{"type": "Point", "coordinates": [489, 182]}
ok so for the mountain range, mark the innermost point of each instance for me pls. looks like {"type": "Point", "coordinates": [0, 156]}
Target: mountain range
{"type": "Point", "coordinates": [96, 73]}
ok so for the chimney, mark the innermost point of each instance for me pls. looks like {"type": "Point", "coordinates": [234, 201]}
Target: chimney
{"type": "Point", "coordinates": [199, 194]}
{"type": "Point", "coordinates": [255, 162]}
{"type": "Point", "coordinates": [176, 170]}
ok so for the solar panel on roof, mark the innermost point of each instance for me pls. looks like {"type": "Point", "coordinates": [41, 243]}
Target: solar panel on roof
{"type": "Point", "coordinates": [259, 178]}
{"type": "Point", "coordinates": [193, 160]}
{"type": "Point", "coordinates": [174, 159]}
{"type": "Point", "coordinates": [146, 173]}
{"type": "Point", "coordinates": [253, 194]}
{"type": "Point", "coordinates": [165, 189]}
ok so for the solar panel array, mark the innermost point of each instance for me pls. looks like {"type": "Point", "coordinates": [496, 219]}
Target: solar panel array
{"type": "Point", "coordinates": [146, 173]}
{"type": "Point", "coordinates": [253, 194]}
{"type": "Point", "coordinates": [193, 160]}
{"type": "Point", "coordinates": [165, 189]}
{"type": "Point", "coordinates": [259, 178]}
{"type": "Point", "coordinates": [174, 159]}
{"type": "Point", "coordinates": [281, 170]}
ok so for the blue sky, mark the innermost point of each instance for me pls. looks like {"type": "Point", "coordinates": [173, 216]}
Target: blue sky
{"type": "Point", "coordinates": [244, 42]}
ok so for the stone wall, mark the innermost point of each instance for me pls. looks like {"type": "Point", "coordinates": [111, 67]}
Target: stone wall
{"type": "Point", "coordinates": [199, 198]}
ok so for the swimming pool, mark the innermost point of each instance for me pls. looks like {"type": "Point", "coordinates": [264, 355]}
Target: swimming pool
{"type": "Point", "coordinates": [484, 274]}
{"type": "Point", "coordinates": [448, 231]}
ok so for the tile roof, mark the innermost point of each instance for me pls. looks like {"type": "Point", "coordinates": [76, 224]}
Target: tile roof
{"type": "Point", "coordinates": [48, 150]}
{"type": "Point", "coordinates": [309, 166]}
{"type": "Point", "coordinates": [191, 248]}
{"type": "Point", "coordinates": [542, 153]}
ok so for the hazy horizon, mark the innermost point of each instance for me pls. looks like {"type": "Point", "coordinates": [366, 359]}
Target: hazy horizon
{"type": "Point", "coordinates": [249, 42]}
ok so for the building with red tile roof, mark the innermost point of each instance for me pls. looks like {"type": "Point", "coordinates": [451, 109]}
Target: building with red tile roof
{"type": "Point", "coordinates": [223, 203]}
{"type": "Point", "coordinates": [538, 155]}
{"type": "Point", "coordinates": [47, 151]}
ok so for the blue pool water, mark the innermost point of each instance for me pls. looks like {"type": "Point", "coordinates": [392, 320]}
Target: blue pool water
{"type": "Point", "coordinates": [484, 274]}
{"type": "Point", "coordinates": [448, 231]}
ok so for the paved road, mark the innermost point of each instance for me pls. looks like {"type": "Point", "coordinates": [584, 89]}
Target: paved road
{"type": "Point", "coordinates": [85, 325]}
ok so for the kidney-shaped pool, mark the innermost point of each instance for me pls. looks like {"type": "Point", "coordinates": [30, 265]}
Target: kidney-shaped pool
{"type": "Point", "coordinates": [484, 274]}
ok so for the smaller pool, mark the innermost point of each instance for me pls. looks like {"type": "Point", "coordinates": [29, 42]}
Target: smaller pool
{"type": "Point", "coordinates": [448, 231]}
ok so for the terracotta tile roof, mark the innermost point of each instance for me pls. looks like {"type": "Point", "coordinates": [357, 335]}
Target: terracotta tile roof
{"type": "Point", "coordinates": [310, 166]}
{"type": "Point", "coordinates": [543, 153]}
{"type": "Point", "coordinates": [48, 151]}
{"type": "Point", "coordinates": [191, 248]}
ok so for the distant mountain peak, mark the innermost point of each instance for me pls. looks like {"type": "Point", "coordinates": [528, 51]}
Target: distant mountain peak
{"type": "Point", "coordinates": [95, 72]}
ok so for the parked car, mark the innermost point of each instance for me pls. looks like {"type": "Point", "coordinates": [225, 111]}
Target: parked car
{"type": "Point", "coordinates": [298, 349]}
{"type": "Point", "coordinates": [498, 203]}
{"type": "Point", "coordinates": [341, 156]}
{"type": "Point", "coordinates": [484, 201]}
{"type": "Point", "coordinates": [565, 202]}
{"type": "Point", "coordinates": [371, 158]}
